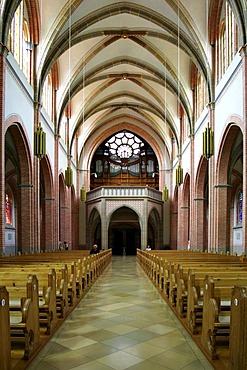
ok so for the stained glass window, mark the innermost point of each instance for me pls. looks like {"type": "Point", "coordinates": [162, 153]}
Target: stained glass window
{"type": "Point", "coordinates": [240, 207]}
{"type": "Point", "coordinates": [8, 209]}
{"type": "Point", "coordinates": [124, 145]}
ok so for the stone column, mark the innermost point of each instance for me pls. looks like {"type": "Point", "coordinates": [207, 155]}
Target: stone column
{"type": "Point", "coordinates": [56, 192]}
{"type": "Point", "coordinates": [212, 244]}
{"type": "Point", "coordinates": [36, 190]}
{"type": "Point", "coordinates": [25, 218]}
{"type": "Point", "coordinates": [243, 53]}
{"type": "Point", "coordinates": [3, 55]}
{"type": "Point", "coordinates": [104, 231]}
{"type": "Point", "coordinates": [144, 225]}
{"type": "Point", "coordinates": [192, 220]}
{"type": "Point", "coordinates": [222, 217]}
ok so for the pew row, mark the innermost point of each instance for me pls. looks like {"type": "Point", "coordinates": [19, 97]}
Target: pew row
{"type": "Point", "coordinates": [217, 323]}
{"type": "Point", "coordinates": [24, 317]}
{"type": "Point", "coordinates": [15, 313]}
{"type": "Point", "coordinates": [5, 345]}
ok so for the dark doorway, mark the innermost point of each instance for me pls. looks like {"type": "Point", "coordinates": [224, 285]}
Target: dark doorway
{"type": "Point", "coordinates": [123, 241]}
{"type": "Point", "coordinates": [124, 232]}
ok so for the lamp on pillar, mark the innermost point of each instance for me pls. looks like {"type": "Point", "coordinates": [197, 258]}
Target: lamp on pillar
{"type": "Point", "coordinates": [40, 143]}
{"type": "Point", "coordinates": [68, 177]}
{"type": "Point", "coordinates": [179, 175]}
{"type": "Point", "coordinates": [208, 142]}
{"type": "Point", "coordinates": [83, 194]}
{"type": "Point", "coordinates": [165, 194]}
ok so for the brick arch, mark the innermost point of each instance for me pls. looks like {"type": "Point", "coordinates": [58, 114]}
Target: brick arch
{"type": "Point", "coordinates": [231, 129]}
{"type": "Point", "coordinates": [47, 206]}
{"type": "Point", "coordinates": [184, 219]}
{"type": "Point", "coordinates": [200, 233]}
{"type": "Point", "coordinates": [174, 219]}
{"type": "Point", "coordinates": [17, 130]}
{"type": "Point", "coordinates": [154, 221]}
{"type": "Point", "coordinates": [24, 186]}
{"type": "Point", "coordinates": [223, 188]}
{"type": "Point", "coordinates": [94, 222]}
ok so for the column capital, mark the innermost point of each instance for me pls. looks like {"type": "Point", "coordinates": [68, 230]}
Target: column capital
{"type": "Point", "coordinates": [37, 105]}
{"type": "Point", "coordinates": [211, 105]}
{"type": "Point", "coordinates": [243, 51]}
{"type": "Point", "coordinates": [222, 186]}
{"type": "Point", "coordinates": [3, 50]}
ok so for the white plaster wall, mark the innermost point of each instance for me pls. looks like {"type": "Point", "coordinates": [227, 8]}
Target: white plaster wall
{"type": "Point", "coordinates": [228, 102]}
{"type": "Point", "coordinates": [19, 101]}
{"type": "Point", "coordinates": [18, 98]}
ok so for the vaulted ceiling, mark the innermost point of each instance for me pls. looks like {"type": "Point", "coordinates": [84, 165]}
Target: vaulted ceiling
{"type": "Point", "coordinates": [123, 64]}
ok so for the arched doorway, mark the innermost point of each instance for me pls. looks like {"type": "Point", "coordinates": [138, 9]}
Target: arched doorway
{"type": "Point", "coordinates": [94, 228]}
{"type": "Point", "coordinates": [154, 239]}
{"type": "Point", "coordinates": [124, 233]}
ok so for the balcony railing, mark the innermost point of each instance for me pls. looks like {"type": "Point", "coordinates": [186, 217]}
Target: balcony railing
{"type": "Point", "coordinates": [124, 192]}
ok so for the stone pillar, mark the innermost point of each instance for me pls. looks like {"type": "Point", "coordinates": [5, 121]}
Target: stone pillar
{"type": "Point", "coordinates": [212, 244]}
{"type": "Point", "coordinates": [47, 233]}
{"type": "Point", "coordinates": [56, 193]}
{"type": "Point", "coordinates": [25, 218]}
{"type": "Point", "coordinates": [144, 224]}
{"type": "Point", "coordinates": [36, 191]}
{"type": "Point", "coordinates": [3, 54]}
{"type": "Point", "coordinates": [192, 219]}
{"type": "Point", "coordinates": [200, 223]}
{"type": "Point", "coordinates": [243, 53]}
{"type": "Point", "coordinates": [104, 230]}
{"type": "Point", "coordinates": [222, 201]}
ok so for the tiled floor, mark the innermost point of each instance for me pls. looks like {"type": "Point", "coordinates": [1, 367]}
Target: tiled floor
{"type": "Point", "coordinates": [121, 323]}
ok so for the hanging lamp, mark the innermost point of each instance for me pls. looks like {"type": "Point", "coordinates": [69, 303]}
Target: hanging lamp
{"type": "Point", "coordinates": [165, 194]}
{"type": "Point", "coordinates": [179, 175]}
{"type": "Point", "coordinates": [208, 142]}
{"type": "Point", "coordinates": [68, 177]}
{"type": "Point", "coordinates": [39, 143]}
{"type": "Point", "coordinates": [83, 194]}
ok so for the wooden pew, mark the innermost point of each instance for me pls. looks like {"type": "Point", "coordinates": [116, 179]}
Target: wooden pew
{"type": "Point", "coordinates": [185, 280]}
{"type": "Point", "coordinates": [238, 329]}
{"type": "Point", "coordinates": [5, 346]}
{"type": "Point", "coordinates": [24, 317]}
{"type": "Point", "coordinates": [216, 312]}
{"type": "Point", "coordinates": [20, 324]}
{"type": "Point", "coordinates": [47, 294]}
{"type": "Point", "coordinates": [195, 288]}
{"type": "Point", "coordinates": [61, 287]}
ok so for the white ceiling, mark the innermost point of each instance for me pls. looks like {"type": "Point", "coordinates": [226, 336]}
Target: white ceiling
{"type": "Point", "coordinates": [123, 64]}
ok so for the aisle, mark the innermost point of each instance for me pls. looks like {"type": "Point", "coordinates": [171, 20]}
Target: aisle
{"type": "Point", "coordinates": [122, 323]}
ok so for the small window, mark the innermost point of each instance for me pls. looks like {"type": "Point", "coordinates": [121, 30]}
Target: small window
{"type": "Point", "coordinates": [8, 209]}
{"type": "Point", "coordinates": [240, 207]}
